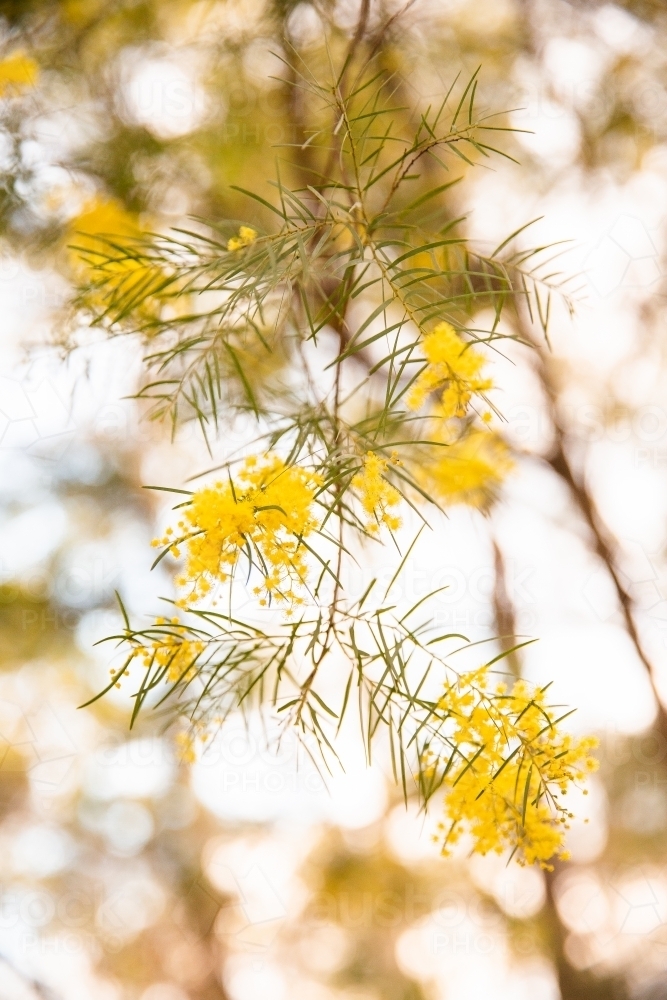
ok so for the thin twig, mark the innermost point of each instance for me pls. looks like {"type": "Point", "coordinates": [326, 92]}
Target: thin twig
{"type": "Point", "coordinates": [604, 543]}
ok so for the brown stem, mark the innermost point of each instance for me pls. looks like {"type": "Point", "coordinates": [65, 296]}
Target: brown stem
{"type": "Point", "coordinates": [355, 42]}
{"type": "Point", "coordinates": [384, 30]}
{"type": "Point", "coordinates": [603, 542]}
{"type": "Point", "coordinates": [357, 39]}
{"type": "Point", "coordinates": [343, 340]}
{"type": "Point", "coordinates": [503, 612]}
{"type": "Point", "coordinates": [34, 985]}
{"type": "Point", "coordinates": [573, 984]}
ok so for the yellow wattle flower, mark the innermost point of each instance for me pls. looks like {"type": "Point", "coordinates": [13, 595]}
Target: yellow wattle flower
{"type": "Point", "coordinates": [511, 766]}
{"type": "Point", "coordinates": [377, 495]}
{"type": "Point", "coordinates": [246, 236]}
{"type": "Point", "coordinates": [453, 366]}
{"type": "Point", "coordinates": [265, 512]}
{"type": "Point", "coordinates": [172, 649]}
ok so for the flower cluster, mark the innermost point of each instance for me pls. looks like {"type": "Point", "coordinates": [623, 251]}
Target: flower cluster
{"type": "Point", "coordinates": [510, 766]}
{"type": "Point", "coordinates": [172, 649]}
{"type": "Point", "coordinates": [453, 366]}
{"type": "Point", "coordinates": [189, 740]}
{"type": "Point", "coordinates": [105, 240]}
{"type": "Point", "coordinates": [18, 72]}
{"type": "Point", "coordinates": [471, 469]}
{"type": "Point", "coordinates": [377, 495]}
{"type": "Point", "coordinates": [265, 513]}
{"type": "Point", "coordinates": [186, 747]}
{"type": "Point", "coordinates": [244, 239]}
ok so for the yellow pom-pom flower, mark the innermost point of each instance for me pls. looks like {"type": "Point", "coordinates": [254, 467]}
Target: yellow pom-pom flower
{"type": "Point", "coordinates": [510, 766]}
{"type": "Point", "coordinates": [173, 650]}
{"type": "Point", "coordinates": [245, 237]}
{"type": "Point", "coordinates": [265, 512]}
{"type": "Point", "coordinates": [453, 366]}
{"type": "Point", "coordinates": [377, 495]}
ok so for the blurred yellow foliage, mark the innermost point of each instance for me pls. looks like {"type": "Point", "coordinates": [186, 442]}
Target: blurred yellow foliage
{"type": "Point", "coordinates": [81, 12]}
{"type": "Point", "coordinates": [105, 254]}
{"type": "Point", "coordinates": [104, 219]}
{"type": "Point", "coordinates": [18, 72]}
{"type": "Point", "coordinates": [471, 469]}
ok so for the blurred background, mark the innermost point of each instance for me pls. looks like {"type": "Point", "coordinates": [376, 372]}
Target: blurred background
{"type": "Point", "coordinates": [127, 874]}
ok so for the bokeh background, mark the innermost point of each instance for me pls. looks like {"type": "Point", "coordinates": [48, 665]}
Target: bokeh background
{"type": "Point", "coordinates": [127, 874]}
